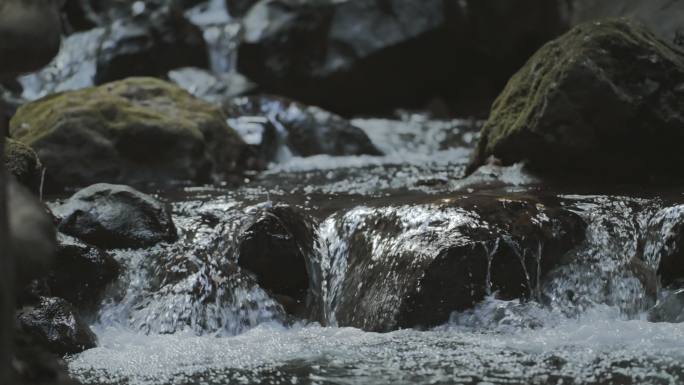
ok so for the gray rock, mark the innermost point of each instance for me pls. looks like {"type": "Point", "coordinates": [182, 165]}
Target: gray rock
{"type": "Point", "coordinates": [116, 216]}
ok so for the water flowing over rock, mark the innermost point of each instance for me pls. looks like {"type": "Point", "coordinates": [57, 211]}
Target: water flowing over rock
{"type": "Point", "coordinates": [605, 100]}
{"type": "Point", "coordinates": [135, 131]}
{"type": "Point", "coordinates": [664, 249]}
{"type": "Point", "coordinates": [411, 266]}
{"type": "Point", "coordinates": [308, 130]}
{"type": "Point", "coordinates": [81, 273]}
{"type": "Point", "coordinates": [610, 268]}
{"type": "Point", "coordinates": [116, 216]}
{"type": "Point", "coordinates": [149, 44]}
{"type": "Point", "coordinates": [369, 56]}
{"type": "Point", "coordinates": [193, 284]}
{"type": "Point", "coordinates": [278, 248]}
{"type": "Point", "coordinates": [56, 325]}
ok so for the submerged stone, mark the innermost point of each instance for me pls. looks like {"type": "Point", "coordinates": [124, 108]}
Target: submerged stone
{"type": "Point", "coordinates": [116, 216]}
{"type": "Point", "coordinates": [412, 266]}
{"type": "Point", "coordinates": [605, 99]}
{"type": "Point", "coordinates": [138, 130]}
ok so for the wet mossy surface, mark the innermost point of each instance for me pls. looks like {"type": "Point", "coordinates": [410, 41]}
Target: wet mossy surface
{"type": "Point", "coordinates": [606, 96]}
{"type": "Point", "coordinates": [130, 131]}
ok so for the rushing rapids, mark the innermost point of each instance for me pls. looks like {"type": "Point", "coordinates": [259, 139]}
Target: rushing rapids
{"type": "Point", "coordinates": [186, 312]}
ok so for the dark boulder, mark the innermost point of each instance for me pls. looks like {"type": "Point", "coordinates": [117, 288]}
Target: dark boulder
{"type": "Point", "coordinates": [150, 45]}
{"type": "Point", "coordinates": [81, 272]}
{"type": "Point", "coordinates": [135, 131]}
{"type": "Point", "coordinates": [116, 216]}
{"type": "Point", "coordinates": [238, 8]}
{"type": "Point", "coordinates": [22, 162]}
{"type": "Point", "coordinates": [308, 130]}
{"type": "Point", "coordinates": [605, 99]}
{"type": "Point", "coordinates": [277, 248]}
{"type": "Point", "coordinates": [56, 325]}
{"type": "Point", "coordinates": [82, 15]}
{"type": "Point", "coordinates": [30, 35]}
{"type": "Point", "coordinates": [413, 265]}
{"type": "Point", "coordinates": [33, 234]}
{"type": "Point", "coordinates": [261, 135]}
{"type": "Point", "coordinates": [664, 244]}
{"type": "Point", "coordinates": [669, 309]}
{"type": "Point", "coordinates": [365, 56]}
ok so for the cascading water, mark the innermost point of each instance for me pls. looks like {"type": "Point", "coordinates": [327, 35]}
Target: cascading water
{"type": "Point", "coordinates": [184, 313]}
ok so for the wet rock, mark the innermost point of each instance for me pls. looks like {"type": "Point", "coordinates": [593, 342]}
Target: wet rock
{"type": "Point", "coordinates": [135, 131]}
{"type": "Point", "coordinates": [150, 46]}
{"type": "Point", "coordinates": [30, 35]}
{"type": "Point", "coordinates": [22, 162]}
{"type": "Point", "coordinates": [261, 135]}
{"type": "Point", "coordinates": [670, 309]}
{"type": "Point", "coordinates": [56, 325]}
{"type": "Point", "coordinates": [309, 130]}
{"type": "Point", "coordinates": [277, 248]}
{"type": "Point", "coordinates": [325, 52]}
{"type": "Point", "coordinates": [209, 86]}
{"type": "Point", "coordinates": [664, 17]}
{"type": "Point", "coordinates": [81, 272]}
{"type": "Point", "coordinates": [33, 234]}
{"type": "Point", "coordinates": [411, 266]}
{"type": "Point", "coordinates": [664, 244]}
{"type": "Point", "coordinates": [116, 216]}
{"type": "Point", "coordinates": [577, 107]}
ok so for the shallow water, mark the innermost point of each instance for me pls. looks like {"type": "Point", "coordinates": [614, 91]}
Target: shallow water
{"type": "Point", "coordinates": [176, 317]}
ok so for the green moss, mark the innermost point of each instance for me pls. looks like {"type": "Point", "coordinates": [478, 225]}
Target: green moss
{"type": "Point", "coordinates": [20, 159]}
{"type": "Point", "coordinates": [522, 104]}
{"type": "Point", "coordinates": [115, 106]}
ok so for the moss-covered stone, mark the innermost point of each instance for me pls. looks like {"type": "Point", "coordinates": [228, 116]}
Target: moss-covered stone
{"type": "Point", "coordinates": [607, 98]}
{"type": "Point", "coordinates": [23, 163]}
{"type": "Point", "coordinates": [134, 131]}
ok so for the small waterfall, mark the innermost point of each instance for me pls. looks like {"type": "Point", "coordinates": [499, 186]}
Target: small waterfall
{"type": "Point", "coordinates": [193, 284]}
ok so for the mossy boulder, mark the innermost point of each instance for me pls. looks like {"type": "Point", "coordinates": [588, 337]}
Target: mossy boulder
{"type": "Point", "coordinates": [134, 131]}
{"type": "Point", "coordinates": [23, 163]}
{"type": "Point", "coordinates": [606, 98]}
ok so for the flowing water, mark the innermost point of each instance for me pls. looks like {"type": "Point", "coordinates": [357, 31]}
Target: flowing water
{"type": "Point", "coordinates": [183, 313]}
{"type": "Point", "coordinates": [179, 315]}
